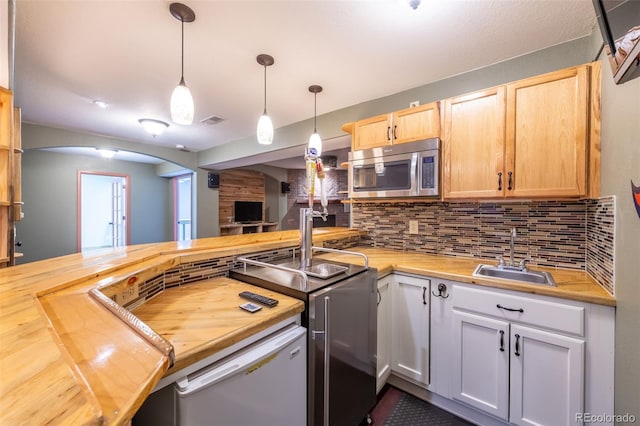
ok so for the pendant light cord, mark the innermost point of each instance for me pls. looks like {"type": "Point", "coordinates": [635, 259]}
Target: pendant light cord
{"type": "Point", "coordinates": [265, 90]}
{"type": "Point", "coordinates": [182, 55]}
{"type": "Point", "coordinates": [314, 112]}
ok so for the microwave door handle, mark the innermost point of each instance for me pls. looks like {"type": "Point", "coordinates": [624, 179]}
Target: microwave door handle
{"type": "Point", "coordinates": [414, 172]}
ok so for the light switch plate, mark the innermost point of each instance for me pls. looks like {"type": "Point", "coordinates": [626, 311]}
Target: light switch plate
{"type": "Point", "coordinates": [413, 226]}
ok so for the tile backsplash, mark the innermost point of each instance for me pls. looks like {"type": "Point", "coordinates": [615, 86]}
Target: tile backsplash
{"type": "Point", "coordinates": [565, 234]}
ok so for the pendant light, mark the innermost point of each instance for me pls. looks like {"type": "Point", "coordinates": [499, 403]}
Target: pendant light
{"type": "Point", "coordinates": [265, 126]}
{"type": "Point", "coordinates": [315, 142]}
{"type": "Point", "coordinates": [181, 99]}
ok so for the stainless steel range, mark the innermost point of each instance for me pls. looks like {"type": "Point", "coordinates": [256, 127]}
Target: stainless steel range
{"type": "Point", "coordinates": [340, 301]}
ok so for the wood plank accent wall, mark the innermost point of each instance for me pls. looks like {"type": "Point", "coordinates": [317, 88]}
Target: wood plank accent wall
{"type": "Point", "coordinates": [239, 185]}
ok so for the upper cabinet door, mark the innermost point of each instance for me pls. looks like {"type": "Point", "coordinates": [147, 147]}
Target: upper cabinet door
{"type": "Point", "coordinates": [473, 145]}
{"type": "Point", "coordinates": [371, 132]}
{"type": "Point", "coordinates": [414, 124]}
{"type": "Point", "coordinates": [547, 135]}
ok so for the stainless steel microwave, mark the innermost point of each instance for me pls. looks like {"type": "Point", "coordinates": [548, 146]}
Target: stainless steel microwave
{"type": "Point", "coordinates": [404, 170]}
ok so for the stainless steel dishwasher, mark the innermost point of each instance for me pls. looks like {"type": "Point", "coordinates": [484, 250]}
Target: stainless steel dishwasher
{"type": "Point", "coordinates": [341, 317]}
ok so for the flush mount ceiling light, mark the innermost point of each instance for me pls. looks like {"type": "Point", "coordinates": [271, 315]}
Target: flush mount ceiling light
{"type": "Point", "coordinates": [413, 4]}
{"type": "Point", "coordinates": [265, 126]}
{"type": "Point", "coordinates": [107, 153]}
{"type": "Point", "coordinates": [181, 100]}
{"type": "Point", "coordinates": [315, 142]}
{"type": "Point", "coordinates": [153, 127]}
{"type": "Point", "coordinates": [101, 104]}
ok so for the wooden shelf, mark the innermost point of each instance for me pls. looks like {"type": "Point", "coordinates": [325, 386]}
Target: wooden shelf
{"type": "Point", "coordinates": [247, 228]}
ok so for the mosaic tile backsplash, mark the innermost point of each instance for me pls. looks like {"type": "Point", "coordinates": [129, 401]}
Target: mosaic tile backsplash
{"type": "Point", "coordinates": [564, 234]}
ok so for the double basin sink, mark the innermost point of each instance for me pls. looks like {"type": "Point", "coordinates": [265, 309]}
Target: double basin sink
{"type": "Point", "coordinates": [515, 274]}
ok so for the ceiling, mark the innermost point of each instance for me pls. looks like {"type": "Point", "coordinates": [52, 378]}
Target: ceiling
{"type": "Point", "coordinates": [127, 53]}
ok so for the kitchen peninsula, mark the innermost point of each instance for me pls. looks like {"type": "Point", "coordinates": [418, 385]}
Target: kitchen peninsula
{"type": "Point", "coordinates": [65, 358]}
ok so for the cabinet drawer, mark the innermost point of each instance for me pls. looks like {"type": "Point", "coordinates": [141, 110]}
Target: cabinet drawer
{"type": "Point", "coordinates": [541, 313]}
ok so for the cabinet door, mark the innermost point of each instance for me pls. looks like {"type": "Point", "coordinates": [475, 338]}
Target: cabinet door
{"type": "Point", "coordinates": [547, 134]}
{"type": "Point", "coordinates": [383, 353]}
{"type": "Point", "coordinates": [473, 145]}
{"type": "Point", "coordinates": [410, 328]}
{"type": "Point", "coordinates": [371, 132]}
{"type": "Point", "coordinates": [414, 124]}
{"type": "Point", "coordinates": [481, 363]}
{"type": "Point", "coordinates": [547, 377]}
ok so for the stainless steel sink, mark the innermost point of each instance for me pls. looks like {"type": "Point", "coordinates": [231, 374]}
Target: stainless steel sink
{"type": "Point", "coordinates": [510, 273]}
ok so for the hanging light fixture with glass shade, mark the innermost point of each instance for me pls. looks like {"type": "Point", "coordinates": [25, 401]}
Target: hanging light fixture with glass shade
{"type": "Point", "coordinates": [181, 100]}
{"type": "Point", "coordinates": [315, 142]}
{"type": "Point", "coordinates": [265, 126]}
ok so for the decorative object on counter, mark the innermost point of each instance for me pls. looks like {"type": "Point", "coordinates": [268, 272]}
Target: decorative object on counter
{"type": "Point", "coordinates": [265, 126]}
{"type": "Point", "coordinates": [315, 142]}
{"type": "Point", "coordinates": [181, 100]}
{"type": "Point", "coordinates": [153, 127]}
{"type": "Point", "coordinates": [635, 193]}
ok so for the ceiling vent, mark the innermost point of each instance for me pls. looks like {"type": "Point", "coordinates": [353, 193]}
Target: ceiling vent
{"type": "Point", "coordinates": [214, 119]}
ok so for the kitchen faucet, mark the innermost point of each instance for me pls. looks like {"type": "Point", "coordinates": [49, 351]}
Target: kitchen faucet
{"type": "Point", "coordinates": [522, 265]}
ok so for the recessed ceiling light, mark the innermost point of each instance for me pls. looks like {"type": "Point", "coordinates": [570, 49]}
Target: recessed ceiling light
{"type": "Point", "coordinates": [101, 104]}
{"type": "Point", "coordinates": [180, 146]}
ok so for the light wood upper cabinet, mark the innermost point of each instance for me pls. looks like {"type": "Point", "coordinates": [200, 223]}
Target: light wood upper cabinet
{"type": "Point", "coordinates": [407, 125]}
{"type": "Point", "coordinates": [547, 134]}
{"type": "Point", "coordinates": [526, 139]}
{"type": "Point", "coordinates": [414, 124]}
{"type": "Point", "coordinates": [371, 132]}
{"type": "Point", "coordinates": [473, 144]}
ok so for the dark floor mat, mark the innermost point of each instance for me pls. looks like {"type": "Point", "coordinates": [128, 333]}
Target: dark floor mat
{"type": "Point", "coordinates": [411, 411]}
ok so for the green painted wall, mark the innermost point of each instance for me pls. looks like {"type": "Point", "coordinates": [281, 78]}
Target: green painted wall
{"type": "Point", "coordinates": [49, 192]}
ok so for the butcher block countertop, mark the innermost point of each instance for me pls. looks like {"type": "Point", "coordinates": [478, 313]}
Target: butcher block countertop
{"type": "Point", "coordinates": [66, 359]}
{"type": "Point", "coordinates": [574, 285]}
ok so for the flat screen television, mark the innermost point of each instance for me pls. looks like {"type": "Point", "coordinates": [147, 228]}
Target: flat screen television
{"type": "Point", "coordinates": [619, 22]}
{"type": "Point", "coordinates": [247, 211]}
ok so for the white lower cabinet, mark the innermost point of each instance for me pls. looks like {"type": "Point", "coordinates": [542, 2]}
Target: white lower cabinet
{"type": "Point", "coordinates": [514, 371]}
{"type": "Point", "coordinates": [480, 375]}
{"type": "Point", "coordinates": [383, 353]}
{"type": "Point", "coordinates": [546, 377]}
{"type": "Point", "coordinates": [410, 327]}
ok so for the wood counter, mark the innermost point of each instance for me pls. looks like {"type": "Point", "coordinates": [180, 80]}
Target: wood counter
{"type": "Point", "coordinates": [64, 359]}
{"type": "Point", "coordinates": [571, 284]}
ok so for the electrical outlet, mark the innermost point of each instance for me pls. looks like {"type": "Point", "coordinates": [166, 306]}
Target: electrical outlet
{"type": "Point", "coordinates": [129, 293]}
{"type": "Point", "coordinates": [413, 226]}
{"type": "Point", "coordinates": [414, 104]}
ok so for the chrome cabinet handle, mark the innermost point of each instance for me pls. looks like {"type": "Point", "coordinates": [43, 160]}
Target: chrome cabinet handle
{"type": "Point", "coordinates": [327, 359]}
{"type": "Point", "coordinates": [379, 298]}
{"type": "Point", "coordinates": [499, 306]}
{"type": "Point", "coordinates": [499, 181]}
{"type": "Point", "coordinates": [424, 294]}
{"type": "Point", "coordinates": [510, 183]}
{"type": "Point", "coordinates": [501, 340]}
{"type": "Point", "coordinates": [517, 352]}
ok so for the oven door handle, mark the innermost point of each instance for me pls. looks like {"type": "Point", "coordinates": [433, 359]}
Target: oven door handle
{"type": "Point", "coordinates": [327, 359]}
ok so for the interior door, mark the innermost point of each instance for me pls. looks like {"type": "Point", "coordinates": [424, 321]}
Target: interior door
{"type": "Point", "coordinates": [102, 211]}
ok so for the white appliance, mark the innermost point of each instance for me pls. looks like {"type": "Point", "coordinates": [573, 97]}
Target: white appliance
{"type": "Point", "coordinates": [261, 383]}
{"type": "Point", "coordinates": [264, 384]}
